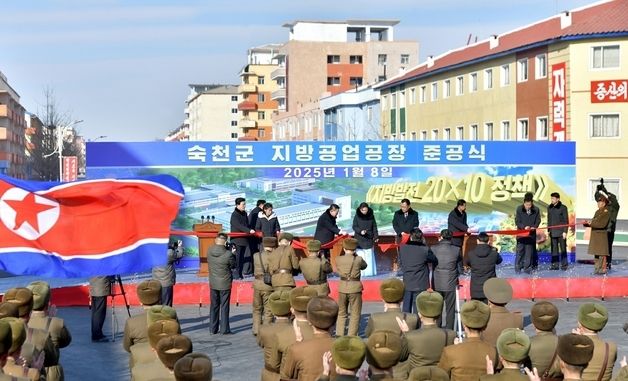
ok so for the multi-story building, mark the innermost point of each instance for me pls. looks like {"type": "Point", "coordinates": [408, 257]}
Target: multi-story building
{"type": "Point", "coordinates": [256, 89]}
{"type": "Point", "coordinates": [352, 115]}
{"type": "Point", "coordinates": [562, 78]}
{"type": "Point", "coordinates": [12, 132]}
{"type": "Point", "coordinates": [179, 134]}
{"type": "Point", "coordinates": [323, 58]}
{"type": "Point", "coordinates": [211, 112]}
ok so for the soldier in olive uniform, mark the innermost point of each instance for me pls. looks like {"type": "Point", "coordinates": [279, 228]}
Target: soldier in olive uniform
{"type": "Point", "coordinates": [32, 368]}
{"type": "Point", "coordinates": [315, 268]}
{"type": "Point", "coordinates": [193, 367]}
{"type": "Point", "coordinates": [592, 318]}
{"type": "Point", "coordinates": [423, 347]}
{"type": "Point", "coordinates": [574, 353]}
{"type": "Point", "coordinates": [261, 290]}
{"type": "Point", "coordinates": [598, 243]}
{"type": "Point", "coordinates": [513, 346]}
{"type": "Point", "coordinates": [279, 303]}
{"type": "Point", "coordinates": [499, 292]}
{"type": "Point", "coordinates": [428, 373]}
{"type": "Point", "coordinates": [467, 361]}
{"type": "Point", "coordinates": [135, 328]}
{"type": "Point", "coordinates": [156, 331]}
{"type": "Point", "coordinates": [168, 350]}
{"type": "Point", "coordinates": [391, 291]}
{"type": "Point", "coordinates": [283, 264]}
{"type": "Point", "coordinates": [6, 341]}
{"type": "Point", "coordinates": [349, 266]}
{"type": "Point", "coordinates": [347, 353]}
{"type": "Point", "coordinates": [544, 345]}
{"type": "Point", "coordinates": [303, 360]}
{"type": "Point", "coordinates": [383, 349]}
{"type": "Point", "coordinates": [142, 352]}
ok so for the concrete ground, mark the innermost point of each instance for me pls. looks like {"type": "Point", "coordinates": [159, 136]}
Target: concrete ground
{"type": "Point", "coordinates": [237, 356]}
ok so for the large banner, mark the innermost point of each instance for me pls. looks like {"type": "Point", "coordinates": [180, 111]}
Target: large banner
{"type": "Point", "coordinates": [301, 179]}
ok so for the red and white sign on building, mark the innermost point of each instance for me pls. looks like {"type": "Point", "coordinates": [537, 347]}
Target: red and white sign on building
{"type": "Point", "coordinates": [610, 91]}
{"type": "Point", "coordinates": [70, 168]}
{"type": "Point", "coordinates": [559, 102]}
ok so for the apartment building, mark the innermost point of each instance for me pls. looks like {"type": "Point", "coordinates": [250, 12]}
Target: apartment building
{"type": "Point", "coordinates": [12, 132]}
{"type": "Point", "coordinates": [352, 115]}
{"type": "Point", "coordinates": [211, 112]}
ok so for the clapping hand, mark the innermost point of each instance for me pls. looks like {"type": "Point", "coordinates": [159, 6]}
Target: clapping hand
{"type": "Point", "coordinates": [403, 326]}
{"type": "Point", "coordinates": [326, 363]}
{"type": "Point", "coordinates": [489, 366]}
{"type": "Point", "coordinates": [533, 374]}
{"type": "Point", "coordinates": [623, 362]}
{"type": "Point", "coordinates": [297, 331]}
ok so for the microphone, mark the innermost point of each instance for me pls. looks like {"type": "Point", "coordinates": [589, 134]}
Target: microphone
{"type": "Point", "coordinates": [213, 219]}
{"type": "Point", "coordinates": [202, 219]}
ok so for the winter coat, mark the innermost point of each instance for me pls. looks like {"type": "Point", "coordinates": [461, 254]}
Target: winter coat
{"type": "Point", "coordinates": [269, 226]}
{"type": "Point", "coordinates": [221, 261]}
{"type": "Point", "coordinates": [253, 217]}
{"type": "Point", "coordinates": [482, 260]}
{"type": "Point", "coordinates": [449, 266]}
{"type": "Point", "coordinates": [598, 243]}
{"type": "Point", "coordinates": [613, 207]}
{"type": "Point", "coordinates": [403, 224]}
{"type": "Point", "coordinates": [239, 224]}
{"type": "Point", "coordinates": [413, 258]}
{"type": "Point", "coordinates": [457, 222]}
{"type": "Point", "coordinates": [326, 228]}
{"type": "Point", "coordinates": [557, 215]}
{"type": "Point", "coordinates": [523, 219]}
{"type": "Point", "coordinates": [365, 222]}
{"type": "Point", "coordinates": [166, 274]}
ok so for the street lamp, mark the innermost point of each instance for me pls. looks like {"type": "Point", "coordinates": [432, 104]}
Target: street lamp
{"type": "Point", "coordinates": [60, 130]}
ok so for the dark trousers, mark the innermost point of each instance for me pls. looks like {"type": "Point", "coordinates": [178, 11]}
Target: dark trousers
{"type": "Point", "coordinates": [240, 254]}
{"type": "Point", "coordinates": [166, 295]}
{"type": "Point", "coordinates": [409, 301]}
{"type": "Point", "coordinates": [449, 298]}
{"type": "Point", "coordinates": [524, 260]}
{"type": "Point", "coordinates": [483, 300]}
{"type": "Point", "coordinates": [611, 238]}
{"type": "Point", "coordinates": [219, 311]}
{"type": "Point", "coordinates": [559, 253]}
{"type": "Point", "coordinates": [99, 313]}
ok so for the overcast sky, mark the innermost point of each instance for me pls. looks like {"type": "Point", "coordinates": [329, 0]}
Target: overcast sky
{"type": "Point", "coordinates": [124, 66]}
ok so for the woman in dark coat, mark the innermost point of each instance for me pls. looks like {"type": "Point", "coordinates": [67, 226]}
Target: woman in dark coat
{"type": "Point", "coordinates": [365, 232]}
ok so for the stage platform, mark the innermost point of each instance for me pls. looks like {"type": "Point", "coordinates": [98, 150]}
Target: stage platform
{"type": "Point", "coordinates": [576, 282]}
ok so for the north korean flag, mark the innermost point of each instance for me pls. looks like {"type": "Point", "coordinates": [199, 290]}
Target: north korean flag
{"type": "Point", "coordinates": [86, 228]}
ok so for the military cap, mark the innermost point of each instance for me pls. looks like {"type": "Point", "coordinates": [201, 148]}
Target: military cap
{"type": "Point", "coordinates": [430, 304]}
{"type": "Point", "coordinates": [300, 297]}
{"type": "Point", "coordinates": [475, 314]}
{"type": "Point", "coordinates": [593, 316]}
{"type": "Point", "coordinates": [149, 292]}
{"type": "Point", "coordinates": [269, 242]}
{"type": "Point", "coordinates": [391, 290]}
{"type": "Point", "coordinates": [314, 246]}
{"type": "Point", "coordinates": [544, 315]}
{"type": "Point", "coordinates": [428, 373]}
{"type": "Point", "coordinates": [350, 244]}
{"type": "Point", "coordinates": [348, 352]}
{"type": "Point", "coordinates": [575, 349]}
{"type": "Point", "coordinates": [171, 348]}
{"type": "Point", "coordinates": [498, 290]}
{"type": "Point", "coordinates": [193, 367]}
{"type": "Point", "coordinates": [8, 310]}
{"type": "Point", "coordinates": [6, 339]}
{"type": "Point", "coordinates": [383, 349]}
{"type": "Point", "coordinates": [41, 294]}
{"type": "Point", "coordinates": [18, 332]}
{"type": "Point", "coordinates": [22, 297]}
{"type": "Point", "coordinates": [322, 312]}
{"type": "Point", "coordinates": [279, 302]}
{"type": "Point", "coordinates": [156, 313]}
{"type": "Point", "coordinates": [161, 329]}
{"type": "Point", "coordinates": [286, 236]}
{"type": "Point", "coordinates": [513, 345]}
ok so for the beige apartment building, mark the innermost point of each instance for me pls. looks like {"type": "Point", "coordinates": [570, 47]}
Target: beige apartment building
{"type": "Point", "coordinates": [211, 113]}
{"type": "Point", "coordinates": [12, 132]}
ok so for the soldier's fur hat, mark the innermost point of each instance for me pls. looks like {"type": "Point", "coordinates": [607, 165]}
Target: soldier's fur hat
{"type": "Point", "coordinates": [322, 312]}
{"type": "Point", "coordinates": [383, 349]}
{"type": "Point", "coordinates": [156, 313]}
{"type": "Point", "coordinates": [22, 297]}
{"type": "Point", "coordinates": [171, 348]}
{"type": "Point", "coordinates": [41, 294]}
{"type": "Point", "coordinates": [314, 246]}
{"type": "Point", "coordinates": [348, 352]}
{"type": "Point", "coordinates": [5, 337]}
{"type": "Point", "coordinates": [149, 292]}
{"type": "Point", "coordinates": [350, 244]}
{"type": "Point", "coordinates": [269, 242]}
{"type": "Point", "coordinates": [161, 329]}
{"type": "Point", "coordinates": [18, 332]}
{"type": "Point", "coordinates": [391, 290]}
{"type": "Point", "coordinates": [593, 316]}
{"type": "Point", "coordinates": [575, 349]}
{"type": "Point", "coordinates": [544, 315]}
{"type": "Point", "coordinates": [475, 314]}
{"type": "Point", "coordinates": [513, 345]}
{"type": "Point", "coordinates": [430, 304]}
{"type": "Point", "coordinates": [193, 367]}
{"type": "Point", "coordinates": [498, 290]}
{"type": "Point", "coordinates": [279, 302]}
{"type": "Point", "coordinates": [286, 236]}
{"type": "Point", "coordinates": [301, 296]}
{"type": "Point", "coordinates": [8, 310]}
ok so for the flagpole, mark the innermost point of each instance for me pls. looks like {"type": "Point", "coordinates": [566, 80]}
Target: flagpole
{"type": "Point", "coordinates": [60, 130]}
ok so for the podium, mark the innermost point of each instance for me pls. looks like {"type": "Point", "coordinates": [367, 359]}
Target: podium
{"type": "Point", "coordinates": [204, 243]}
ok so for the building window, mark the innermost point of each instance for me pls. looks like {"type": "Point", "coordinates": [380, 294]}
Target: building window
{"type": "Point", "coordinates": [333, 59]}
{"type": "Point", "coordinates": [405, 59]}
{"type": "Point", "coordinates": [355, 81]}
{"type": "Point", "coordinates": [434, 91]}
{"type": "Point", "coordinates": [261, 97]}
{"type": "Point", "coordinates": [540, 66]}
{"type": "Point", "coordinates": [369, 113]}
{"type": "Point", "coordinates": [260, 80]}
{"type": "Point", "coordinates": [261, 133]}
{"type": "Point", "coordinates": [355, 59]}
{"type": "Point", "coordinates": [460, 133]}
{"type": "Point", "coordinates": [261, 115]}
{"type": "Point", "coordinates": [402, 99]}
{"type": "Point", "coordinates": [393, 101]}
{"type": "Point", "coordinates": [234, 123]}
{"type": "Point", "coordinates": [413, 135]}
{"type": "Point", "coordinates": [234, 110]}
{"type": "Point", "coordinates": [523, 130]}
{"type": "Point", "coordinates": [447, 134]}
{"type": "Point", "coordinates": [474, 132]}
{"type": "Point", "coordinates": [505, 75]}
{"type": "Point", "coordinates": [413, 95]}
{"type": "Point", "coordinates": [384, 102]}
{"type": "Point", "coordinates": [434, 134]}
{"type": "Point", "coordinates": [488, 79]}
{"type": "Point", "coordinates": [422, 95]}
{"type": "Point", "coordinates": [542, 128]}
{"type": "Point", "coordinates": [381, 59]}
{"type": "Point", "coordinates": [506, 130]}
{"type": "Point", "coordinates": [612, 185]}
{"type": "Point", "coordinates": [423, 135]}
{"type": "Point", "coordinates": [234, 135]}
{"type": "Point", "coordinates": [488, 131]}
{"type": "Point", "coordinates": [605, 57]}
{"type": "Point", "coordinates": [460, 85]}
{"type": "Point", "coordinates": [604, 126]}
{"type": "Point", "coordinates": [522, 70]}
{"type": "Point", "coordinates": [447, 88]}
{"type": "Point", "coordinates": [381, 78]}
{"type": "Point", "coordinates": [473, 82]}
{"type": "Point", "coordinates": [333, 81]}
{"type": "Point", "coordinates": [234, 98]}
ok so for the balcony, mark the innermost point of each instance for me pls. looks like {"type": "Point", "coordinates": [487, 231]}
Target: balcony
{"type": "Point", "coordinates": [278, 94]}
{"type": "Point", "coordinates": [247, 88]}
{"type": "Point", "coordinates": [247, 123]}
{"type": "Point", "coordinates": [277, 73]}
{"type": "Point", "coordinates": [247, 106]}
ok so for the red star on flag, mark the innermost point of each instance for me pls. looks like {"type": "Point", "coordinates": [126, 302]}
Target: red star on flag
{"type": "Point", "coordinates": [27, 210]}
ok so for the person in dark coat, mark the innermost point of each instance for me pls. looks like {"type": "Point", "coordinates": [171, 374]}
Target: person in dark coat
{"type": "Point", "coordinates": [365, 232]}
{"type": "Point", "coordinates": [255, 243]}
{"type": "Point", "coordinates": [166, 274]}
{"type": "Point", "coordinates": [446, 274]}
{"type": "Point", "coordinates": [405, 219]}
{"type": "Point", "coordinates": [240, 224]}
{"type": "Point", "coordinates": [327, 228]}
{"type": "Point", "coordinates": [414, 258]}
{"type": "Point", "coordinates": [221, 263]}
{"type": "Point", "coordinates": [457, 223]}
{"type": "Point", "coordinates": [99, 290]}
{"type": "Point", "coordinates": [482, 260]}
{"type": "Point", "coordinates": [613, 210]}
{"type": "Point", "coordinates": [267, 222]}
{"type": "Point", "coordinates": [527, 217]}
{"type": "Point", "coordinates": [557, 215]}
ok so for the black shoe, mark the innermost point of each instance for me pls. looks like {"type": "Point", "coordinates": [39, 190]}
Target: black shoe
{"type": "Point", "coordinates": [103, 339]}
{"type": "Point", "coordinates": [226, 333]}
